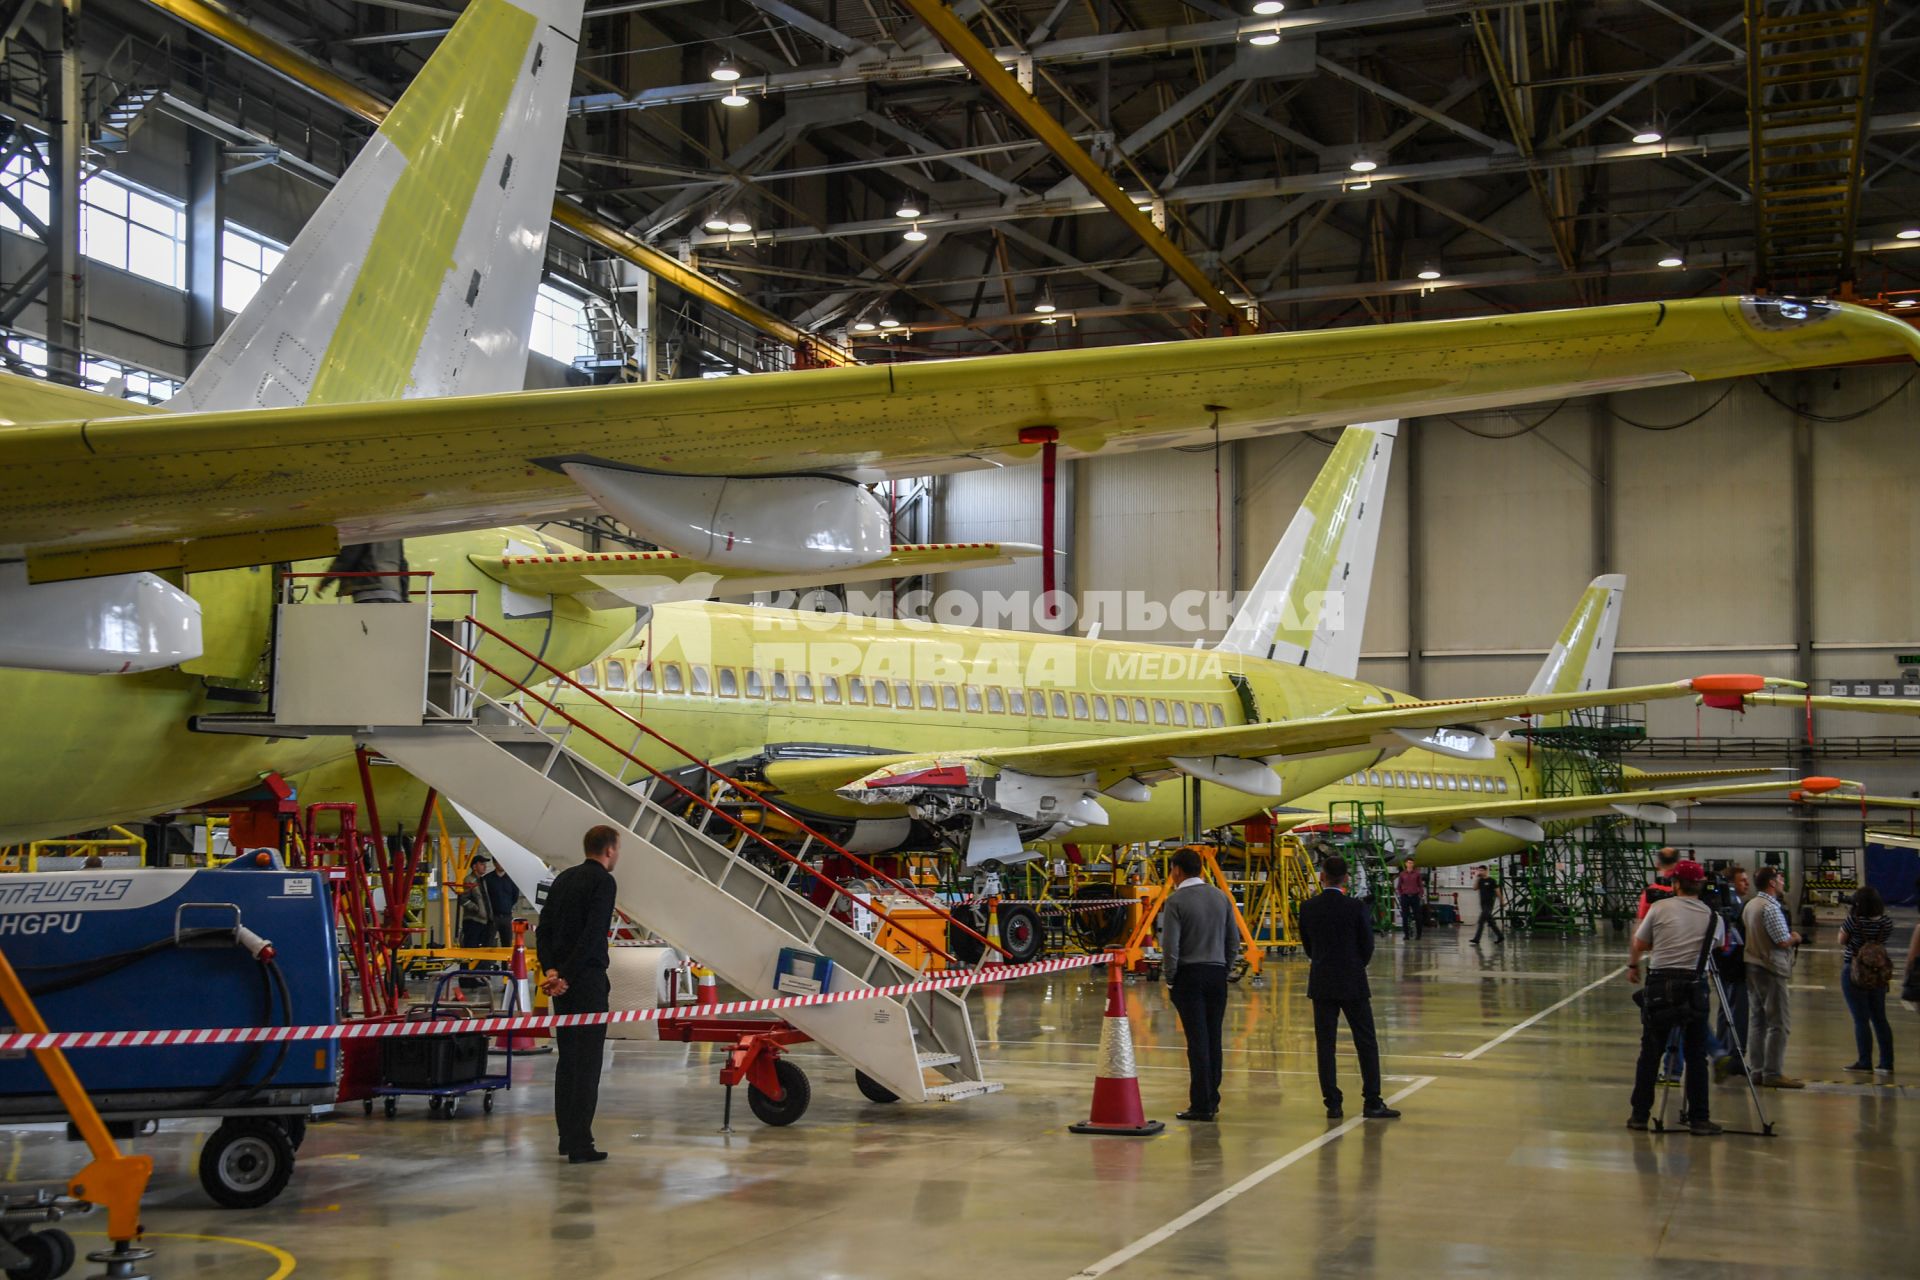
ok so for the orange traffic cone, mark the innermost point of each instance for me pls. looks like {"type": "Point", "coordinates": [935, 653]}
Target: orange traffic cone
{"type": "Point", "coordinates": [996, 951]}
{"type": "Point", "coordinates": [522, 993]}
{"type": "Point", "coordinates": [1116, 1087]}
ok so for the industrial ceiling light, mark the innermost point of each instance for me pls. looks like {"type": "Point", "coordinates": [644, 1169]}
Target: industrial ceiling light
{"type": "Point", "coordinates": [1428, 272]}
{"type": "Point", "coordinates": [1647, 136]}
{"type": "Point", "coordinates": [910, 207]}
{"type": "Point", "coordinates": [1907, 233]}
{"type": "Point", "coordinates": [716, 221]}
{"type": "Point", "coordinates": [888, 322]}
{"type": "Point", "coordinates": [913, 234]}
{"type": "Point", "coordinates": [864, 326]}
{"type": "Point", "coordinates": [1904, 303]}
{"type": "Point", "coordinates": [1364, 184]}
{"type": "Point", "coordinates": [1267, 8]}
{"type": "Point", "coordinates": [1050, 320]}
{"type": "Point", "coordinates": [1673, 260]}
{"type": "Point", "coordinates": [1044, 303]}
{"type": "Point", "coordinates": [738, 225]}
{"type": "Point", "coordinates": [725, 71]}
{"type": "Point", "coordinates": [1264, 38]}
{"type": "Point", "coordinates": [734, 98]}
{"type": "Point", "coordinates": [1363, 163]}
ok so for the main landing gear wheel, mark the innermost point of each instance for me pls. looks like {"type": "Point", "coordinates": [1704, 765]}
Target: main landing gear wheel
{"type": "Point", "coordinates": [246, 1163]}
{"type": "Point", "coordinates": [873, 1089]}
{"type": "Point", "coordinates": [795, 1095]}
{"type": "Point", "coordinates": [1021, 934]}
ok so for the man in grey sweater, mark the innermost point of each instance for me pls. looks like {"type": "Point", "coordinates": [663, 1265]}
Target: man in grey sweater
{"type": "Point", "coordinates": [1197, 939]}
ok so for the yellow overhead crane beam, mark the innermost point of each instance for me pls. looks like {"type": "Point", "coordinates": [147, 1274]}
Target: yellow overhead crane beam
{"type": "Point", "coordinates": [212, 20]}
{"type": "Point", "coordinates": [997, 80]}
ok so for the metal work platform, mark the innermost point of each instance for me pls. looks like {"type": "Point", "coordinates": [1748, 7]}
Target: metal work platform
{"type": "Point", "coordinates": [418, 690]}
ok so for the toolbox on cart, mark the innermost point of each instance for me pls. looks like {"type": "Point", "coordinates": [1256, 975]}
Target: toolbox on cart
{"type": "Point", "coordinates": [433, 1062]}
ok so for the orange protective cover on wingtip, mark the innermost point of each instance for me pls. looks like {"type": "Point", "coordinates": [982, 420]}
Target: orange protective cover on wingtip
{"type": "Point", "coordinates": [1735, 683]}
{"type": "Point", "coordinates": [1820, 784]}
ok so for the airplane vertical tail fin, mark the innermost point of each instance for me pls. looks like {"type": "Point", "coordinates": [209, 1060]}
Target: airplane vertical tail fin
{"type": "Point", "coordinates": [1581, 660]}
{"type": "Point", "coordinates": [1309, 605]}
{"type": "Point", "coordinates": [416, 276]}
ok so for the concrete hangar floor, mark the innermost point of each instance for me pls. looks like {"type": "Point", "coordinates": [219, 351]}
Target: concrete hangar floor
{"type": "Point", "coordinates": [1511, 1064]}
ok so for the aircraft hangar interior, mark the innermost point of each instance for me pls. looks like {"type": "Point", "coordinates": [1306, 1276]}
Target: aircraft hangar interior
{"type": "Point", "coordinates": [693, 638]}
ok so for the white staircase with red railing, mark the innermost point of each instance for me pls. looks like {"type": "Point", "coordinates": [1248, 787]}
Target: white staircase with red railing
{"type": "Point", "coordinates": [515, 769]}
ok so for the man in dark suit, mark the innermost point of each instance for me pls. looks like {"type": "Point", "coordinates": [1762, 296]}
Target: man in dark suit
{"type": "Point", "coordinates": [1337, 934]}
{"type": "Point", "coordinates": [572, 944]}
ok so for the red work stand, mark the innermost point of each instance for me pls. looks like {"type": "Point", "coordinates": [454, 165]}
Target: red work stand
{"type": "Point", "coordinates": [777, 1089]}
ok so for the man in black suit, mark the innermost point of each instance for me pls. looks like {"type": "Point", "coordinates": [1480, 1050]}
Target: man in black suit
{"type": "Point", "coordinates": [572, 944]}
{"type": "Point", "coordinates": [1337, 933]}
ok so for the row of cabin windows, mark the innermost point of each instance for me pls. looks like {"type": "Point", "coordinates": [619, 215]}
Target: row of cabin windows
{"type": "Point", "coordinates": [1406, 779]}
{"type": "Point", "coordinates": [726, 682]}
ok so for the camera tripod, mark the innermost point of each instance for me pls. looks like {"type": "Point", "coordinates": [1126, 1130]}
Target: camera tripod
{"type": "Point", "coordinates": [1734, 1033]}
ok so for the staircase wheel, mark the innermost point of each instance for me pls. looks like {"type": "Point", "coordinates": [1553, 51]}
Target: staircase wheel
{"type": "Point", "coordinates": [43, 1257]}
{"type": "Point", "coordinates": [966, 948]}
{"type": "Point", "coordinates": [873, 1089]}
{"type": "Point", "coordinates": [1021, 934]}
{"type": "Point", "coordinates": [795, 1095]}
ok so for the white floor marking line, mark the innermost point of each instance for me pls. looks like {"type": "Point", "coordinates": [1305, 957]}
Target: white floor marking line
{"type": "Point", "coordinates": [1238, 1189]}
{"type": "Point", "coordinates": [1518, 1027]}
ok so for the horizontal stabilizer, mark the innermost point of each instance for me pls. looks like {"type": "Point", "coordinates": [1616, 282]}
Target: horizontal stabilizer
{"type": "Point", "coordinates": [612, 578]}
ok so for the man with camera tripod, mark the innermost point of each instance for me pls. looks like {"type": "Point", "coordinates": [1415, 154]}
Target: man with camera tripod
{"type": "Point", "coordinates": [1675, 936]}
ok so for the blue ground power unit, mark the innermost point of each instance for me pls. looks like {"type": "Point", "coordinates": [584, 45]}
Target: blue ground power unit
{"type": "Point", "coordinates": [110, 950]}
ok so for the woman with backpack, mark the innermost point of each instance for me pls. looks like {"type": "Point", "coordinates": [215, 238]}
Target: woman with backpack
{"type": "Point", "coordinates": [1866, 972]}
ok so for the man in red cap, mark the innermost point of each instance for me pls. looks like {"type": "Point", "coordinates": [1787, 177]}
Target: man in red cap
{"type": "Point", "coordinates": [1675, 937]}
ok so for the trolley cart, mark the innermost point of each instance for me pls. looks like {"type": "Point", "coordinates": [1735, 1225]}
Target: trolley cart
{"type": "Point", "coordinates": [427, 1059]}
{"type": "Point", "coordinates": [43, 1254]}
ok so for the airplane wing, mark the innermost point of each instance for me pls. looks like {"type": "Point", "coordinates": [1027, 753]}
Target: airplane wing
{"type": "Point", "coordinates": [1674, 777]}
{"type": "Point", "coordinates": [611, 578]}
{"type": "Point", "coordinates": [1894, 839]}
{"type": "Point", "coordinates": [1236, 756]}
{"type": "Point", "coordinates": [1835, 702]}
{"type": "Point", "coordinates": [1523, 817]}
{"type": "Point", "coordinates": [210, 490]}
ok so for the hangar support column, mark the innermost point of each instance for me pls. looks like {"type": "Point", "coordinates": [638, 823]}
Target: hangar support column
{"type": "Point", "coordinates": [205, 214]}
{"type": "Point", "coordinates": [66, 299]}
{"type": "Point", "coordinates": [1416, 560]}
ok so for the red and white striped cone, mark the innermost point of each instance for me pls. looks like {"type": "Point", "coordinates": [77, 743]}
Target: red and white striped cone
{"type": "Point", "coordinates": [522, 991]}
{"type": "Point", "coordinates": [1117, 1108]}
{"type": "Point", "coordinates": [995, 950]}
{"type": "Point", "coordinates": [707, 990]}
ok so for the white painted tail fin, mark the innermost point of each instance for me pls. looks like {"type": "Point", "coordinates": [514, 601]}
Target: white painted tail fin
{"type": "Point", "coordinates": [1581, 660]}
{"type": "Point", "coordinates": [416, 277]}
{"type": "Point", "coordinates": [1309, 605]}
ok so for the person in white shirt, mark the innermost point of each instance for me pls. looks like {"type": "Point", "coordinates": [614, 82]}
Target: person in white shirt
{"type": "Point", "coordinates": [1675, 937]}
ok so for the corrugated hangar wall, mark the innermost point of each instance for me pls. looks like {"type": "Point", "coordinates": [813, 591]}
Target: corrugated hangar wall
{"type": "Point", "coordinates": [1689, 491]}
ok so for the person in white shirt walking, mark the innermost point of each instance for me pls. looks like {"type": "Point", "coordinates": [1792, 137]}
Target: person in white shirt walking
{"type": "Point", "coordinates": [1769, 956]}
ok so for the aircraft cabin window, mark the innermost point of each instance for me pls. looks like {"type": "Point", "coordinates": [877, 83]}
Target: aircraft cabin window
{"type": "Point", "coordinates": [1503, 786]}
{"type": "Point", "coordinates": [1040, 704]}
{"type": "Point", "coordinates": [802, 687]}
{"type": "Point", "coordinates": [996, 701]}
{"type": "Point", "coordinates": [926, 698]}
{"type": "Point", "coordinates": [973, 698]}
{"type": "Point", "coordinates": [1159, 711]}
{"type": "Point", "coordinates": [1373, 777]}
{"type": "Point", "coordinates": [699, 679]}
{"type": "Point", "coordinates": [616, 674]}
{"type": "Point", "coordinates": [829, 688]}
{"type": "Point", "coordinates": [949, 698]}
{"type": "Point", "coordinates": [881, 696]}
{"type": "Point", "coordinates": [1139, 710]}
{"type": "Point", "coordinates": [857, 690]}
{"type": "Point", "coordinates": [1017, 702]}
{"type": "Point", "coordinates": [1216, 716]}
{"type": "Point", "coordinates": [588, 677]}
{"type": "Point", "coordinates": [1099, 707]}
{"type": "Point", "coordinates": [671, 681]}
{"type": "Point", "coordinates": [1120, 711]}
{"type": "Point", "coordinates": [729, 682]}
{"type": "Point", "coordinates": [1453, 782]}
{"type": "Point", "coordinates": [1059, 706]}
{"type": "Point", "coordinates": [1399, 778]}
{"type": "Point", "coordinates": [643, 678]}
{"type": "Point", "coordinates": [777, 685]}
{"type": "Point", "coordinates": [1180, 714]}
{"type": "Point", "coordinates": [1079, 706]}
{"type": "Point", "coordinates": [755, 687]}
{"type": "Point", "coordinates": [903, 695]}
{"type": "Point", "coordinates": [1199, 715]}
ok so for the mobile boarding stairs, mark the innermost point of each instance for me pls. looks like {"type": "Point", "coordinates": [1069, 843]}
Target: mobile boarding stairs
{"type": "Point", "coordinates": [399, 681]}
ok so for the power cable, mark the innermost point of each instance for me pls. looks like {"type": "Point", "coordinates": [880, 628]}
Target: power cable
{"type": "Point", "coordinates": [1842, 417]}
{"type": "Point", "coordinates": [1684, 422]}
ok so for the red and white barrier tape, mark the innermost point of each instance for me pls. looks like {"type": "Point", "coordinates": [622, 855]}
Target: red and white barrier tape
{"type": "Point", "coordinates": [167, 1039]}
